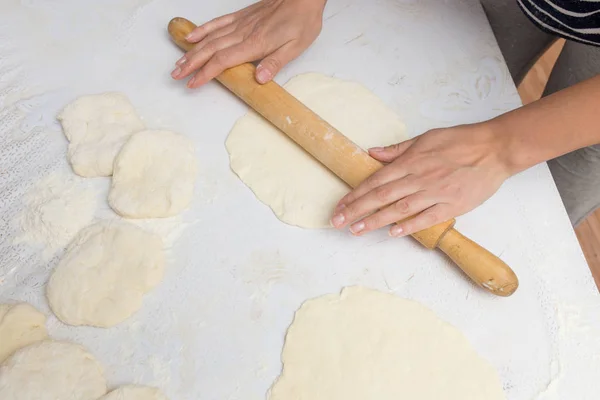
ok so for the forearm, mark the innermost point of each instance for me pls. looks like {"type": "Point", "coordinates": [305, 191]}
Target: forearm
{"type": "Point", "coordinates": [555, 125]}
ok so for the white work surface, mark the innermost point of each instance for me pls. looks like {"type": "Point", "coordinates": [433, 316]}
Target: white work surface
{"type": "Point", "coordinates": [214, 328]}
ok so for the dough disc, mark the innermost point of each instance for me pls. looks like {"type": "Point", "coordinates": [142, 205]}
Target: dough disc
{"type": "Point", "coordinates": [104, 274]}
{"type": "Point", "coordinates": [154, 175]}
{"type": "Point", "coordinates": [97, 126]}
{"type": "Point", "coordinates": [20, 325]}
{"type": "Point", "coordinates": [51, 370]}
{"type": "Point", "coordinates": [366, 344]}
{"type": "Point", "coordinates": [300, 190]}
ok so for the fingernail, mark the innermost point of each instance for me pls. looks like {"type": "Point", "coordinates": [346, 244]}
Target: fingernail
{"type": "Point", "coordinates": [339, 208]}
{"type": "Point", "coordinates": [337, 220]}
{"type": "Point", "coordinates": [396, 231]}
{"type": "Point", "coordinates": [191, 82]}
{"type": "Point", "coordinates": [262, 74]}
{"type": "Point", "coordinates": [357, 227]}
{"type": "Point", "coordinates": [182, 60]}
{"type": "Point", "coordinates": [176, 72]}
{"type": "Point", "coordinates": [189, 37]}
{"type": "Point", "coordinates": [377, 149]}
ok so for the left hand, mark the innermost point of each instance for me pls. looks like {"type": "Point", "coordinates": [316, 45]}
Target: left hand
{"type": "Point", "coordinates": [434, 177]}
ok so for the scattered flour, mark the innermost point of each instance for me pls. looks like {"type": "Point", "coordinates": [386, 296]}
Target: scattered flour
{"type": "Point", "coordinates": [55, 210]}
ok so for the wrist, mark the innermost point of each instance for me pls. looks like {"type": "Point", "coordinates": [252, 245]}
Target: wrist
{"type": "Point", "coordinates": [511, 155]}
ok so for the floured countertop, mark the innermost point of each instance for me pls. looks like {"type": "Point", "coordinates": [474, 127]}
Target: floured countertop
{"type": "Point", "coordinates": [213, 329]}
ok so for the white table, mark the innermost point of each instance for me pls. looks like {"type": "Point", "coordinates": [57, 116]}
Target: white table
{"type": "Point", "coordinates": [214, 327]}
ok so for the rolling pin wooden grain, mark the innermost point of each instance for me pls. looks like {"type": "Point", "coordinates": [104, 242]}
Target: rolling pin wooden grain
{"type": "Point", "coordinates": [350, 163]}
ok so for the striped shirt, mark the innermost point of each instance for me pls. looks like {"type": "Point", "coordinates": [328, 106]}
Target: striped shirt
{"type": "Point", "coordinates": [577, 20]}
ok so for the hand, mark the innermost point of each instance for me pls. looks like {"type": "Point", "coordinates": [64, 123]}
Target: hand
{"type": "Point", "coordinates": [277, 31]}
{"type": "Point", "coordinates": [433, 178]}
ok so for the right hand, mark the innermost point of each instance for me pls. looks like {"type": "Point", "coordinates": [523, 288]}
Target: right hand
{"type": "Point", "coordinates": [276, 31]}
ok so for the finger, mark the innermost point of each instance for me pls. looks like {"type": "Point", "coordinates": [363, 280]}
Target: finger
{"type": "Point", "coordinates": [222, 60]}
{"type": "Point", "coordinates": [377, 198]}
{"type": "Point", "coordinates": [272, 64]}
{"type": "Point", "coordinates": [209, 38]}
{"type": "Point", "coordinates": [434, 215]}
{"type": "Point", "coordinates": [203, 55]}
{"type": "Point", "coordinates": [201, 44]}
{"type": "Point", "coordinates": [402, 209]}
{"type": "Point", "coordinates": [389, 153]}
{"type": "Point", "coordinates": [200, 32]}
{"type": "Point", "coordinates": [379, 178]}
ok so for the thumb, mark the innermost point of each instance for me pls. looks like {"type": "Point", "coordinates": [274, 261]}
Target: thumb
{"type": "Point", "coordinates": [272, 64]}
{"type": "Point", "coordinates": [389, 153]}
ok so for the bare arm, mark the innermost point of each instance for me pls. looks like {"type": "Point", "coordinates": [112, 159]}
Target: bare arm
{"type": "Point", "coordinates": [555, 125]}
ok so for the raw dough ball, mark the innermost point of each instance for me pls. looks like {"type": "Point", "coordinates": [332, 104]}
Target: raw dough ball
{"type": "Point", "coordinates": [132, 392]}
{"type": "Point", "coordinates": [97, 126]}
{"type": "Point", "coordinates": [366, 344]}
{"type": "Point", "coordinates": [20, 325]}
{"type": "Point", "coordinates": [51, 370]}
{"type": "Point", "coordinates": [104, 274]}
{"type": "Point", "coordinates": [154, 175]}
{"type": "Point", "coordinates": [299, 189]}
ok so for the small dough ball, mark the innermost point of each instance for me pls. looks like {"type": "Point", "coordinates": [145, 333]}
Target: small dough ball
{"type": "Point", "coordinates": [104, 274]}
{"type": "Point", "coordinates": [97, 126]}
{"type": "Point", "coordinates": [51, 370]}
{"type": "Point", "coordinates": [154, 175]}
{"type": "Point", "coordinates": [20, 325]}
{"type": "Point", "coordinates": [132, 392]}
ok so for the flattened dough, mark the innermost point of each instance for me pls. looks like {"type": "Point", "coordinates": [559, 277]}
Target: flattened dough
{"type": "Point", "coordinates": [97, 126]}
{"type": "Point", "coordinates": [51, 370]}
{"type": "Point", "coordinates": [366, 344]}
{"type": "Point", "coordinates": [20, 325]}
{"type": "Point", "coordinates": [154, 175]}
{"type": "Point", "coordinates": [299, 190]}
{"type": "Point", "coordinates": [105, 272]}
{"type": "Point", "coordinates": [132, 392]}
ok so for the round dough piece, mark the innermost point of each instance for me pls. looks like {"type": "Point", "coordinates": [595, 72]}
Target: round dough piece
{"type": "Point", "coordinates": [132, 392]}
{"type": "Point", "coordinates": [51, 370]}
{"type": "Point", "coordinates": [154, 175]}
{"type": "Point", "coordinates": [97, 126]}
{"type": "Point", "coordinates": [105, 272]}
{"type": "Point", "coordinates": [20, 325]}
{"type": "Point", "coordinates": [366, 344]}
{"type": "Point", "coordinates": [299, 189]}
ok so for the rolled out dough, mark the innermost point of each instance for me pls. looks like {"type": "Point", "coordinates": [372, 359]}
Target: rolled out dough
{"type": "Point", "coordinates": [132, 392]}
{"type": "Point", "coordinates": [366, 344]}
{"type": "Point", "coordinates": [154, 175]}
{"type": "Point", "coordinates": [97, 126]}
{"type": "Point", "coordinates": [20, 325]}
{"type": "Point", "coordinates": [105, 272]}
{"type": "Point", "coordinates": [51, 370]}
{"type": "Point", "coordinates": [300, 190]}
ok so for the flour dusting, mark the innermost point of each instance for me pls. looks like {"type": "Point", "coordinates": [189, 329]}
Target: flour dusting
{"type": "Point", "coordinates": [55, 210]}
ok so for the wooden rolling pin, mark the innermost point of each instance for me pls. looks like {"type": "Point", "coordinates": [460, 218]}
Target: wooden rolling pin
{"type": "Point", "coordinates": [350, 163]}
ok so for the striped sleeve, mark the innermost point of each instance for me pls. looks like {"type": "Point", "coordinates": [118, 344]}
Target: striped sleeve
{"type": "Point", "coordinates": [577, 20]}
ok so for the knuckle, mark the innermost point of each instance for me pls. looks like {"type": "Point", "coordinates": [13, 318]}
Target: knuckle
{"type": "Point", "coordinates": [350, 213]}
{"type": "Point", "coordinates": [210, 48]}
{"type": "Point", "coordinates": [373, 181]}
{"type": "Point", "coordinates": [402, 206]}
{"type": "Point", "coordinates": [220, 58]}
{"type": "Point", "coordinates": [383, 193]}
{"type": "Point", "coordinates": [429, 219]}
{"type": "Point", "coordinates": [374, 221]}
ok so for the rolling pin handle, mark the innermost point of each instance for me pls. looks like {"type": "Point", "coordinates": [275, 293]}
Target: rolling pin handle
{"type": "Point", "coordinates": [483, 267]}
